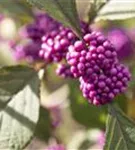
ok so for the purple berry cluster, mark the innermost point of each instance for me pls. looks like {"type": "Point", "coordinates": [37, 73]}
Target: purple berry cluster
{"type": "Point", "coordinates": [55, 44]}
{"type": "Point", "coordinates": [94, 60]}
{"type": "Point", "coordinates": [63, 70]}
{"type": "Point", "coordinates": [91, 55]}
{"type": "Point", "coordinates": [104, 87]}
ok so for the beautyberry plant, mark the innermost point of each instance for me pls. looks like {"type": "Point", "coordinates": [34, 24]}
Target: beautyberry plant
{"type": "Point", "coordinates": [59, 37]}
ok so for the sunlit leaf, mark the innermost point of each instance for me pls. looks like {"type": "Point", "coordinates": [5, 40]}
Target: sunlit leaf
{"type": "Point", "coordinates": [19, 100]}
{"type": "Point", "coordinates": [12, 80]}
{"type": "Point", "coordinates": [117, 10]}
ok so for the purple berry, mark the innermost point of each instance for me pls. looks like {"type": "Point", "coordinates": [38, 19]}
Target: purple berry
{"type": "Point", "coordinates": [101, 84]}
{"type": "Point", "coordinates": [113, 71]}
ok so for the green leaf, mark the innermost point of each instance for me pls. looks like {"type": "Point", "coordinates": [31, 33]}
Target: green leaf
{"type": "Point", "coordinates": [84, 113]}
{"type": "Point", "coordinates": [18, 117]}
{"type": "Point", "coordinates": [122, 101]}
{"type": "Point", "coordinates": [62, 10]}
{"type": "Point", "coordinates": [43, 129]}
{"type": "Point", "coordinates": [117, 10]}
{"type": "Point", "coordinates": [95, 7]}
{"type": "Point", "coordinates": [120, 132]}
{"type": "Point", "coordinates": [12, 80]}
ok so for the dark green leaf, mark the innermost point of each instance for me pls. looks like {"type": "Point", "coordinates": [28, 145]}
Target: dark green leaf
{"type": "Point", "coordinates": [12, 80]}
{"type": "Point", "coordinates": [62, 10]}
{"type": "Point", "coordinates": [18, 117]}
{"type": "Point", "coordinates": [43, 129]}
{"type": "Point", "coordinates": [122, 101]}
{"type": "Point", "coordinates": [120, 134]}
{"type": "Point", "coordinates": [96, 6]}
